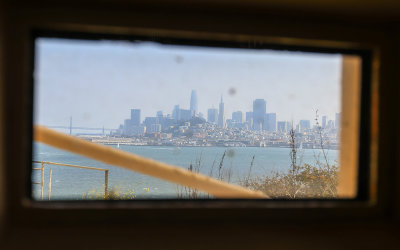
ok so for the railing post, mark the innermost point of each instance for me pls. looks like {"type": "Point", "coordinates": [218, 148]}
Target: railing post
{"type": "Point", "coordinates": [106, 184]}
{"type": "Point", "coordinates": [42, 182]}
{"type": "Point", "coordinates": [49, 189]}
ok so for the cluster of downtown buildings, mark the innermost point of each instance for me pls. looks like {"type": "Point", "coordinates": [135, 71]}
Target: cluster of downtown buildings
{"type": "Point", "coordinates": [188, 127]}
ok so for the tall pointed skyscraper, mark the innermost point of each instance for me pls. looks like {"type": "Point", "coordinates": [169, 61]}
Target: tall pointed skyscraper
{"type": "Point", "coordinates": [221, 117]}
{"type": "Point", "coordinates": [193, 103]}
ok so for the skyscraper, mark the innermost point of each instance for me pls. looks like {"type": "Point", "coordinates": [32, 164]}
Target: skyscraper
{"type": "Point", "coordinates": [259, 108]}
{"type": "Point", "coordinates": [221, 117]}
{"type": "Point", "coordinates": [193, 103]}
{"type": "Point", "coordinates": [304, 125]}
{"type": "Point", "coordinates": [160, 114]}
{"type": "Point", "coordinates": [282, 126]}
{"type": "Point", "coordinates": [270, 122]}
{"type": "Point", "coordinates": [185, 114]}
{"type": "Point", "coordinates": [212, 115]}
{"type": "Point", "coordinates": [148, 121]}
{"type": "Point", "coordinates": [135, 117]}
{"type": "Point", "coordinates": [323, 125]}
{"type": "Point", "coordinates": [249, 119]}
{"type": "Point", "coordinates": [127, 126]}
{"type": "Point", "coordinates": [237, 116]}
{"type": "Point", "coordinates": [175, 113]}
{"type": "Point", "coordinates": [289, 126]}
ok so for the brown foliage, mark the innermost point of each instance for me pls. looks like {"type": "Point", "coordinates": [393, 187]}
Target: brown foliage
{"type": "Point", "coordinates": [301, 183]}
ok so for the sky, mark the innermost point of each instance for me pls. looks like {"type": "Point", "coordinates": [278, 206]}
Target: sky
{"type": "Point", "coordinates": [98, 82]}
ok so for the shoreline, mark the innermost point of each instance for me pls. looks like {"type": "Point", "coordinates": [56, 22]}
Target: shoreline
{"type": "Point", "coordinates": [202, 146]}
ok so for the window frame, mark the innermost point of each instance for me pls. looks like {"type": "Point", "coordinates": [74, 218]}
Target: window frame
{"type": "Point", "coordinates": [246, 42]}
{"type": "Point", "coordinates": [276, 209]}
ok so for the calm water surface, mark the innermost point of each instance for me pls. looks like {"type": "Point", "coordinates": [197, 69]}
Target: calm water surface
{"type": "Point", "coordinates": [71, 183]}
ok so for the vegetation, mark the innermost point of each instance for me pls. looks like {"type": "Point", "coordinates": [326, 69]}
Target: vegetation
{"type": "Point", "coordinates": [304, 181]}
{"type": "Point", "coordinates": [114, 193]}
{"type": "Point", "coordinates": [301, 181]}
{"type": "Point", "coordinates": [221, 173]}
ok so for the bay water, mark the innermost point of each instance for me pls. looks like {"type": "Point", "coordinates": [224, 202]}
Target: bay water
{"type": "Point", "coordinates": [74, 184]}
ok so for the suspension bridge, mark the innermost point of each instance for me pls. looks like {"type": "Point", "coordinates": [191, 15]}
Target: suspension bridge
{"type": "Point", "coordinates": [70, 128]}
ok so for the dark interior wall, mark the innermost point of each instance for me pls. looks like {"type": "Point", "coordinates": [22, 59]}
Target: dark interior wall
{"type": "Point", "coordinates": [48, 229]}
{"type": "Point", "coordinates": [396, 119]}
{"type": "Point", "coordinates": [2, 165]}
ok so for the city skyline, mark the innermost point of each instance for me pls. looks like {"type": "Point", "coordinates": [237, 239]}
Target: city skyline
{"type": "Point", "coordinates": [322, 117]}
{"type": "Point", "coordinates": [185, 128]}
{"type": "Point", "coordinates": [99, 82]}
{"type": "Point", "coordinates": [257, 119]}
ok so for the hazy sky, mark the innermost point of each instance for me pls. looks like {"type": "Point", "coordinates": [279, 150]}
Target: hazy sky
{"type": "Point", "coordinates": [98, 82]}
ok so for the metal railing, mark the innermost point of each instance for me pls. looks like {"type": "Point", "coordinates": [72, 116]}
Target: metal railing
{"type": "Point", "coordinates": [44, 163]}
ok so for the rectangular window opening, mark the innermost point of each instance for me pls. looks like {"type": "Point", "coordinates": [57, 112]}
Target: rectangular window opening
{"type": "Point", "coordinates": [260, 121]}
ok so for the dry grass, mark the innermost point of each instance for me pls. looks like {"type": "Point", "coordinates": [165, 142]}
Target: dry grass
{"type": "Point", "coordinates": [303, 182]}
{"type": "Point", "coordinates": [114, 193]}
{"type": "Point", "coordinates": [221, 173]}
